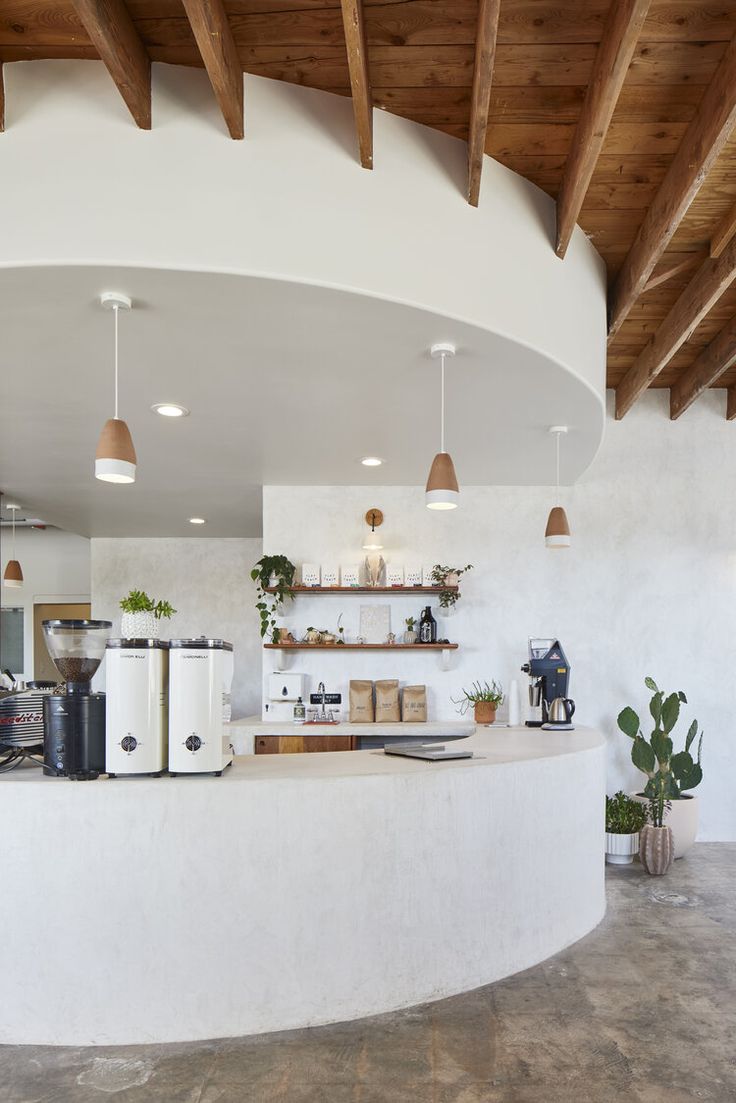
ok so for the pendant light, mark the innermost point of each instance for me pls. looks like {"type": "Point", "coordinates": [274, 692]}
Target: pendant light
{"type": "Point", "coordinates": [442, 490]}
{"type": "Point", "coordinates": [372, 541]}
{"type": "Point", "coordinates": [115, 459]}
{"type": "Point", "coordinates": [13, 575]}
{"type": "Point", "coordinates": [557, 533]}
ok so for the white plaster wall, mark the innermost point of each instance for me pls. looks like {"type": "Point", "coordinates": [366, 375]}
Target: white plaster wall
{"type": "Point", "coordinates": [56, 567]}
{"type": "Point", "coordinates": [208, 583]}
{"type": "Point", "coordinates": [648, 587]}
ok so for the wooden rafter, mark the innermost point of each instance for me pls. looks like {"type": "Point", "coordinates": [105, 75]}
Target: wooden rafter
{"type": "Point", "coordinates": [360, 85]}
{"type": "Point", "coordinates": [480, 102]}
{"type": "Point", "coordinates": [694, 260]}
{"type": "Point", "coordinates": [724, 232]}
{"type": "Point", "coordinates": [623, 26]}
{"type": "Point", "coordinates": [215, 42]}
{"type": "Point", "coordinates": [731, 404]}
{"type": "Point", "coordinates": [703, 140]}
{"type": "Point", "coordinates": [713, 361]}
{"type": "Point", "coordinates": [116, 40]}
{"type": "Point", "coordinates": [709, 283]}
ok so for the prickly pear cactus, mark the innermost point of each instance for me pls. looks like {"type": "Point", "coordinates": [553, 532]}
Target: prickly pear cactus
{"type": "Point", "coordinates": [656, 849]}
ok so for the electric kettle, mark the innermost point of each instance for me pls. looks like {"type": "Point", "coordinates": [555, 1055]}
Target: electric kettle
{"type": "Point", "coordinates": [561, 712]}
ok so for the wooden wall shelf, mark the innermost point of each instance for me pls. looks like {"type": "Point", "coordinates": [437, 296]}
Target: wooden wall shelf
{"type": "Point", "coordinates": [284, 648]}
{"type": "Point", "coordinates": [296, 590]}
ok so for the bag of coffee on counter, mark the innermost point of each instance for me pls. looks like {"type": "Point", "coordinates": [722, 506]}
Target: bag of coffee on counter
{"type": "Point", "coordinates": [414, 704]}
{"type": "Point", "coordinates": [361, 702]}
{"type": "Point", "coordinates": [387, 702]}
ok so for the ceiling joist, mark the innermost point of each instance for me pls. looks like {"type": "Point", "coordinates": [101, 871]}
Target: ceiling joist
{"type": "Point", "coordinates": [701, 144]}
{"type": "Point", "coordinates": [116, 40]}
{"type": "Point", "coordinates": [680, 268]}
{"type": "Point", "coordinates": [360, 87]}
{"type": "Point", "coordinates": [713, 361]}
{"type": "Point", "coordinates": [480, 102]}
{"type": "Point", "coordinates": [623, 26]}
{"type": "Point", "coordinates": [215, 42]}
{"type": "Point", "coordinates": [724, 232]}
{"type": "Point", "coordinates": [709, 283]}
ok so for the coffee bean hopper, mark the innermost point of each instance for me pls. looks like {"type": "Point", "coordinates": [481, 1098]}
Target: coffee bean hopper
{"type": "Point", "coordinates": [74, 725]}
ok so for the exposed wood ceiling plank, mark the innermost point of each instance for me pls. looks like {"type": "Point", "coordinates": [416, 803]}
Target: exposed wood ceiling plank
{"type": "Point", "coordinates": [214, 39]}
{"type": "Point", "coordinates": [116, 40]}
{"type": "Point", "coordinates": [616, 49]}
{"type": "Point", "coordinates": [360, 85]}
{"type": "Point", "coordinates": [709, 283]}
{"type": "Point", "coordinates": [713, 361]}
{"type": "Point", "coordinates": [480, 100]}
{"type": "Point", "coordinates": [725, 231]}
{"type": "Point", "coordinates": [702, 142]}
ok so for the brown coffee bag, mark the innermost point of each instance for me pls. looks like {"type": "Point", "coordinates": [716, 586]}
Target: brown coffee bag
{"type": "Point", "coordinates": [414, 704]}
{"type": "Point", "coordinates": [361, 702]}
{"type": "Point", "coordinates": [387, 702]}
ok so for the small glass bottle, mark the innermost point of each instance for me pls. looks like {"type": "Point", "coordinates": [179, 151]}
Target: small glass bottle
{"type": "Point", "coordinates": [300, 712]}
{"type": "Point", "coordinates": [427, 626]}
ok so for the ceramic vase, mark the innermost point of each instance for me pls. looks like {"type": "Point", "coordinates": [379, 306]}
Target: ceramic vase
{"type": "Point", "coordinates": [410, 636]}
{"type": "Point", "coordinates": [139, 626]}
{"type": "Point", "coordinates": [485, 712]}
{"type": "Point", "coordinates": [682, 818]}
{"type": "Point", "coordinates": [620, 849]}
{"type": "Point", "coordinates": [656, 849]}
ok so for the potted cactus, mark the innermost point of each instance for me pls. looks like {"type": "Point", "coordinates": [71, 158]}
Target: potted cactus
{"type": "Point", "coordinates": [669, 774]}
{"type": "Point", "coordinates": [410, 636]}
{"type": "Point", "coordinates": [484, 699]}
{"type": "Point", "coordinates": [625, 818]}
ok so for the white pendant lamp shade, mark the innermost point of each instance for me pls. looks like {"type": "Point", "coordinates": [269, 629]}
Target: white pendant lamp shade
{"type": "Point", "coordinates": [442, 491]}
{"type": "Point", "coordinates": [13, 575]}
{"type": "Point", "coordinates": [115, 460]}
{"type": "Point", "coordinates": [557, 533]}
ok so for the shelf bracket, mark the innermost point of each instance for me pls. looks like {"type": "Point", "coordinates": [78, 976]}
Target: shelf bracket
{"type": "Point", "coordinates": [281, 660]}
{"type": "Point", "coordinates": [445, 658]}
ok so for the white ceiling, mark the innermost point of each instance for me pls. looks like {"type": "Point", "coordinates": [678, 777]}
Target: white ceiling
{"type": "Point", "coordinates": [287, 384]}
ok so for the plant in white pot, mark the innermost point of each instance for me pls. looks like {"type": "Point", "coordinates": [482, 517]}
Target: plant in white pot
{"type": "Point", "coordinates": [669, 775]}
{"type": "Point", "coordinates": [141, 616]}
{"type": "Point", "coordinates": [625, 818]}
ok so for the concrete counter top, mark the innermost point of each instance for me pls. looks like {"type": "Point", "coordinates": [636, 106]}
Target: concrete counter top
{"type": "Point", "coordinates": [245, 731]}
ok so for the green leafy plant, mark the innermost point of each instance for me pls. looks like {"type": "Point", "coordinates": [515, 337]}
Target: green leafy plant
{"type": "Point", "coordinates": [479, 691]}
{"type": "Point", "coordinates": [410, 622]}
{"type": "Point", "coordinates": [669, 775]}
{"type": "Point", "coordinates": [274, 578]}
{"type": "Point", "coordinates": [138, 601]}
{"type": "Point", "coordinates": [624, 816]}
{"type": "Point", "coordinates": [657, 809]}
{"type": "Point", "coordinates": [440, 574]}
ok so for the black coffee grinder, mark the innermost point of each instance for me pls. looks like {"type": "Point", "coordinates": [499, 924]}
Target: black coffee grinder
{"type": "Point", "coordinates": [549, 678]}
{"type": "Point", "coordinates": [74, 725]}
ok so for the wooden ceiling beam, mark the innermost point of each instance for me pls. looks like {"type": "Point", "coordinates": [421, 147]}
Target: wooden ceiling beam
{"type": "Point", "coordinates": [480, 102]}
{"type": "Point", "coordinates": [116, 40]}
{"type": "Point", "coordinates": [620, 35]}
{"type": "Point", "coordinates": [725, 231]}
{"type": "Point", "coordinates": [360, 85]}
{"type": "Point", "coordinates": [216, 44]}
{"type": "Point", "coordinates": [701, 144]}
{"type": "Point", "coordinates": [713, 361]}
{"type": "Point", "coordinates": [706, 287]}
{"type": "Point", "coordinates": [682, 266]}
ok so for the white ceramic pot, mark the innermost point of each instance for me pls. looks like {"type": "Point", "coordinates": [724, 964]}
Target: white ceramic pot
{"type": "Point", "coordinates": [682, 818]}
{"type": "Point", "coordinates": [410, 636]}
{"type": "Point", "coordinates": [620, 849]}
{"type": "Point", "coordinates": [139, 626]}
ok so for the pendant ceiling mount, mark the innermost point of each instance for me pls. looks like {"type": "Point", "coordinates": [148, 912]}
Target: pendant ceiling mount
{"type": "Point", "coordinates": [442, 490]}
{"type": "Point", "coordinates": [557, 533]}
{"type": "Point", "coordinates": [115, 460]}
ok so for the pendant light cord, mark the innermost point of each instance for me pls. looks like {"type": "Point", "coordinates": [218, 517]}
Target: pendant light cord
{"type": "Point", "coordinates": [557, 435]}
{"type": "Point", "coordinates": [442, 402]}
{"type": "Point", "coordinates": [13, 534]}
{"type": "Point", "coordinates": [115, 312]}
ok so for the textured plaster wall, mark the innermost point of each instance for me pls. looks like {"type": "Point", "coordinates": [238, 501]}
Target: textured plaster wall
{"type": "Point", "coordinates": [648, 587]}
{"type": "Point", "coordinates": [206, 580]}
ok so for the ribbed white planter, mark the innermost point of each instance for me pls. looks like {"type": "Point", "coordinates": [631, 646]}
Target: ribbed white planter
{"type": "Point", "coordinates": [682, 818]}
{"type": "Point", "coordinates": [620, 849]}
{"type": "Point", "coordinates": [139, 626]}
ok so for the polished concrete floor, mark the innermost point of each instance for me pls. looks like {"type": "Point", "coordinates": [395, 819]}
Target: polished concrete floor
{"type": "Point", "coordinates": [643, 1009]}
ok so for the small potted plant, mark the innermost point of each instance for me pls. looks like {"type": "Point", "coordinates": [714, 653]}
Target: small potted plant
{"type": "Point", "coordinates": [274, 579]}
{"type": "Point", "coordinates": [141, 616]}
{"type": "Point", "coordinates": [625, 818]}
{"type": "Point", "coordinates": [484, 699]}
{"type": "Point", "coordinates": [656, 841]}
{"type": "Point", "coordinates": [448, 579]}
{"type": "Point", "coordinates": [410, 635]}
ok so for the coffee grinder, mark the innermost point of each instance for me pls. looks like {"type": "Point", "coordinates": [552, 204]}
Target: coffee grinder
{"type": "Point", "coordinates": [549, 677]}
{"type": "Point", "coordinates": [74, 724]}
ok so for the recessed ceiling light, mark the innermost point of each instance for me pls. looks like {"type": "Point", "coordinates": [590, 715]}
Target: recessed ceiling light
{"type": "Point", "coordinates": [170, 409]}
{"type": "Point", "coordinates": [197, 521]}
{"type": "Point", "coordinates": [371, 461]}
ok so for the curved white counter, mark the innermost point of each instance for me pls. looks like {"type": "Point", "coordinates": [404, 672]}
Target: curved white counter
{"type": "Point", "coordinates": [294, 890]}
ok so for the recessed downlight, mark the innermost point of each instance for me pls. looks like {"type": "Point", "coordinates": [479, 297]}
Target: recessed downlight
{"type": "Point", "coordinates": [371, 461]}
{"type": "Point", "coordinates": [170, 409]}
{"type": "Point", "coordinates": [197, 521]}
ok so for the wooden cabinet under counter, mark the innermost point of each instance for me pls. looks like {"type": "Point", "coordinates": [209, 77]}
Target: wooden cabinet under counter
{"type": "Point", "coordinates": [299, 744]}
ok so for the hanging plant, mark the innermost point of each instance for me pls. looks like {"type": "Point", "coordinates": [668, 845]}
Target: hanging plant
{"type": "Point", "coordinates": [448, 578]}
{"type": "Point", "coordinates": [275, 573]}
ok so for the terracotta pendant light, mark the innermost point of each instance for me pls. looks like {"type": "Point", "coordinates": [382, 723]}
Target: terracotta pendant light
{"type": "Point", "coordinates": [557, 533]}
{"type": "Point", "coordinates": [442, 490]}
{"type": "Point", "coordinates": [115, 459]}
{"type": "Point", "coordinates": [13, 575]}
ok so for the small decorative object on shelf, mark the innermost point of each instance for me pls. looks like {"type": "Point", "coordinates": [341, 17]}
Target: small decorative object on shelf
{"type": "Point", "coordinates": [141, 616]}
{"type": "Point", "coordinates": [414, 577]}
{"type": "Point", "coordinates": [410, 635]}
{"type": "Point", "coordinates": [375, 570]}
{"type": "Point", "coordinates": [350, 575]}
{"type": "Point", "coordinates": [448, 580]}
{"type": "Point", "coordinates": [394, 576]}
{"type": "Point", "coordinates": [311, 574]}
{"type": "Point", "coordinates": [427, 626]}
{"type": "Point", "coordinates": [391, 639]}
{"type": "Point", "coordinates": [330, 577]}
{"type": "Point", "coordinates": [274, 577]}
{"type": "Point", "coordinates": [484, 698]}
{"type": "Point", "coordinates": [624, 820]}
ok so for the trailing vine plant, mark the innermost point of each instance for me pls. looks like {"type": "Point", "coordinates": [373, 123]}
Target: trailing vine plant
{"type": "Point", "coordinates": [275, 572]}
{"type": "Point", "coordinates": [440, 574]}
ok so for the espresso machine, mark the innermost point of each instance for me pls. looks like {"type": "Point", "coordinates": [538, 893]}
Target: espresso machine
{"type": "Point", "coordinates": [74, 724]}
{"type": "Point", "coordinates": [549, 678]}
